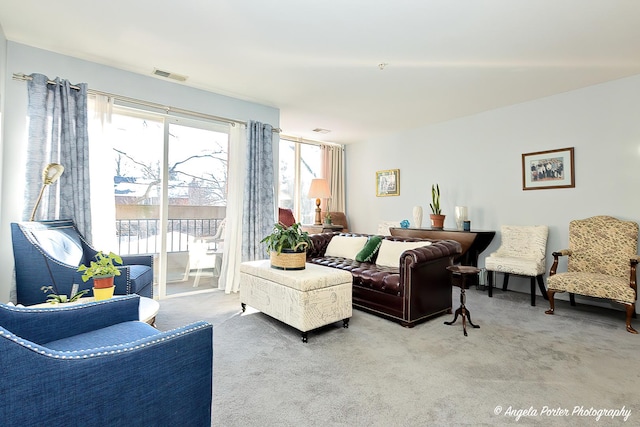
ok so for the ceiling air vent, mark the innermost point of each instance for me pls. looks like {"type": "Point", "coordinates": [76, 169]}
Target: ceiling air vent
{"type": "Point", "coordinates": [169, 75]}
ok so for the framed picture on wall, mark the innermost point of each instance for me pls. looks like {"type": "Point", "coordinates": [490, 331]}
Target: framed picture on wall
{"type": "Point", "coordinates": [388, 182]}
{"type": "Point", "coordinates": [548, 169]}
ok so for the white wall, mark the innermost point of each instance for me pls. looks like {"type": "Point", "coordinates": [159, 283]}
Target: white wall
{"type": "Point", "coordinates": [477, 162]}
{"type": "Point", "coordinates": [3, 72]}
{"type": "Point", "coordinates": [25, 59]}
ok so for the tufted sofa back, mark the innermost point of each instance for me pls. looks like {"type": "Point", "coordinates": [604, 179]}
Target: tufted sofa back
{"type": "Point", "coordinates": [321, 241]}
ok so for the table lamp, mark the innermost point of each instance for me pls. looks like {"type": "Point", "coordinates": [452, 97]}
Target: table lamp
{"type": "Point", "coordinates": [319, 189]}
{"type": "Point", "coordinates": [50, 174]}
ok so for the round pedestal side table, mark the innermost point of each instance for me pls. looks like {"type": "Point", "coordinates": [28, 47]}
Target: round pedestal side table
{"type": "Point", "coordinates": [459, 275]}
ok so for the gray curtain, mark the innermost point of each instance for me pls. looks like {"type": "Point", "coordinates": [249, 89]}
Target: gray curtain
{"type": "Point", "coordinates": [259, 195]}
{"type": "Point", "coordinates": [58, 133]}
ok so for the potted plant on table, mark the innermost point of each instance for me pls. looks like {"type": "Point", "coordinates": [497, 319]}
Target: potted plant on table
{"type": "Point", "coordinates": [102, 270]}
{"type": "Point", "coordinates": [287, 247]}
{"type": "Point", "coordinates": [437, 219]}
{"type": "Point", "coordinates": [56, 298]}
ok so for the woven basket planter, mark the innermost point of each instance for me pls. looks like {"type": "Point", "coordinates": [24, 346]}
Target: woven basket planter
{"type": "Point", "coordinates": [288, 259]}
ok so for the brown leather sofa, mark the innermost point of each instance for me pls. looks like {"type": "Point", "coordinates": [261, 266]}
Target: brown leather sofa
{"type": "Point", "coordinates": [419, 288]}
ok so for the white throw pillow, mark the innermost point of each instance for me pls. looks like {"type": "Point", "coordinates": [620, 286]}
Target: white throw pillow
{"type": "Point", "coordinates": [390, 251]}
{"type": "Point", "coordinates": [345, 246]}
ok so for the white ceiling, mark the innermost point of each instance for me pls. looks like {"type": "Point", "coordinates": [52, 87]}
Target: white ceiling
{"type": "Point", "coordinates": [318, 60]}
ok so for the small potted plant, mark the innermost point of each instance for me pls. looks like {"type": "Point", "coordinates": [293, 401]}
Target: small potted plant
{"type": "Point", "coordinates": [56, 298]}
{"type": "Point", "coordinates": [437, 219]}
{"type": "Point", "coordinates": [287, 247]}
{"type": "Point", "coordinates": [102, 271]}
{"type": "Point", "coordinates": [328, 219]}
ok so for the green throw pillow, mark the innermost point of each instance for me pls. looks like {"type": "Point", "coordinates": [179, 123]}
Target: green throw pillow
{"type": "Point", "coordinates": [370, 249]}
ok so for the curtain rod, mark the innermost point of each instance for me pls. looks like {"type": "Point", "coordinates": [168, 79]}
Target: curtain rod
{"type": "Point", "coordinates": [308, 141]}
{"type": "Point", "coordinates": [232, 122]}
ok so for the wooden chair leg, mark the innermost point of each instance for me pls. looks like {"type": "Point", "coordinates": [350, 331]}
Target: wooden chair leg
{"type": "Point", "coordinates": [505, 282]}
{"type": "Point", "coordinates": [631, 308]}
{"type": "Point", "coordinates": [552, 307]}
{"type": "Point", "coordinates": [572, 299]}
{"type": "Point", "coordinates": [533, 291]}
{"type": "Point", "coordinates": [543, 289]}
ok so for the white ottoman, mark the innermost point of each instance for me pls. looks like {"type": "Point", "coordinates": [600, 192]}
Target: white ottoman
{"type": "Point", "coordinates": [305, 299]}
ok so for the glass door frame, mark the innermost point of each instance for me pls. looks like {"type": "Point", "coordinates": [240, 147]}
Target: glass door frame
{"type": "Point", "coordinates": [166, 121]}
{"type": "Point", "coordinates": [170, 120]}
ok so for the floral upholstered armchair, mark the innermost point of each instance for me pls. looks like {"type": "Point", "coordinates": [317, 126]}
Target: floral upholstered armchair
{"type": "Point", "coordinates": [602, 260]}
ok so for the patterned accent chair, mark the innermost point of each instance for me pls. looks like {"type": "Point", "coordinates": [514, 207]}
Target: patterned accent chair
{"type": "Point", "coordinates": [602, 259]}
{"type": "Point", "coordinates": [522, 252]}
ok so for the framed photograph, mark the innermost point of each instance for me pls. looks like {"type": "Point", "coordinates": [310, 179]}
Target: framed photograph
{"type": "Point", "coordinates": [388, 183]}
{"type": "Point", "coordinates": [548, 169]}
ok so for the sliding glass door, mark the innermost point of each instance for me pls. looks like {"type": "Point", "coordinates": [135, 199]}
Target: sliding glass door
{"type": "Point", "coordinates": [170, 180]}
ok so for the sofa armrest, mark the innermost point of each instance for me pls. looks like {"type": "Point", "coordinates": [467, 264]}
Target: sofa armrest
{"type": "Point", "coordinates": [44, 324]}
{"type": "Point", "coordinates": [164, 379]}
{"type": "Point", "coordinates": [425, 279]}
{"type": "Point", "coordinates": [439, 249]}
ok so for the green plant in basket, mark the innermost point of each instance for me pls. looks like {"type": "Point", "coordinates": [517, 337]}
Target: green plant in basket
{"type": "Point", "coordinates": [282, 237]}
{"type": "Point", "coordinates": [103, 266]}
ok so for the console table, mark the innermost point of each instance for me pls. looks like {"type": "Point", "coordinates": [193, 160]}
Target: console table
{"type": "Point", "coordinates": [323, 228]}
{"type": "Point", "coordinates": [473, 242]}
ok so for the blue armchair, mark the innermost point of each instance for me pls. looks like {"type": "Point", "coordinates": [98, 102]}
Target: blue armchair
{"type": "Point", "coordinates": [55, 248]}
{"type": "Point", "coordinates": [95, 364]}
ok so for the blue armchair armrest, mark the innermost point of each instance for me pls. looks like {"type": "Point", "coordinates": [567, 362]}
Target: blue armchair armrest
{"type": "Point", "coordinates": [137, 260]}
{"type": "Point", "coordinates": [164, 378]}
{"type": "Point", "coordinates": [42, 325]}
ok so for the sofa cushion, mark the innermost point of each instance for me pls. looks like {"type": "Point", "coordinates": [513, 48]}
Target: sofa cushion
{"type": "Point", "coordinates": [345, 246]}
{"type": "Point", "coordinates": [365, 274]}
{"type": "Point", "coordinates": [390, 251]}
{"type": "Point", "coordinates": [370, 249]}
{"type": "Point", "coordinates": [61, 244]}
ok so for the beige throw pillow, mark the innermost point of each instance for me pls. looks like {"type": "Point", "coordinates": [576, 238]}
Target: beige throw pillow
{"type": "Point", "coordinates": [390, 251]}
{"type": "Point", "coordinates": [345, 246]}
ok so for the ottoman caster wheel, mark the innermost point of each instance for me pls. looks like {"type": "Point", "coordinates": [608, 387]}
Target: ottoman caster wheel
{"type": "Point", "coordinates": [304, 337]}
{"type": "Point", "coordinates": [345, 323]}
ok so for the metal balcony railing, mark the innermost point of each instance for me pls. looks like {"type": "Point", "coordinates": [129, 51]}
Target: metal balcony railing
{"type": "Point", "coordinates": [141, 236]}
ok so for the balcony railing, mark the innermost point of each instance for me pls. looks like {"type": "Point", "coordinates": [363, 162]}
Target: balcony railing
{"type": "Point", "coordinates": [141, 236]}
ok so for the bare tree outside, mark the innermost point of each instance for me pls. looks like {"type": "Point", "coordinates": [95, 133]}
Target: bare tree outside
{"type": "Point", "coordinates": [197, 169]}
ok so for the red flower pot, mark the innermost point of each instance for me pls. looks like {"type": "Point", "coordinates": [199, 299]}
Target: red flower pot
{"type": "Point", "coordinates": [103, 282]}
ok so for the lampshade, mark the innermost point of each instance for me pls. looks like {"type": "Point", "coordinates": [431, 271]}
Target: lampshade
{"type": "Point", "coordinates": [51, 173]}
{"type": "Point", "coordinates": [319, 189]}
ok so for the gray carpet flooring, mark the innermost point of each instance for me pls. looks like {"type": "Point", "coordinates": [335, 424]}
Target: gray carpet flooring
{"type": "Point", "coordinates": [521, 367]}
